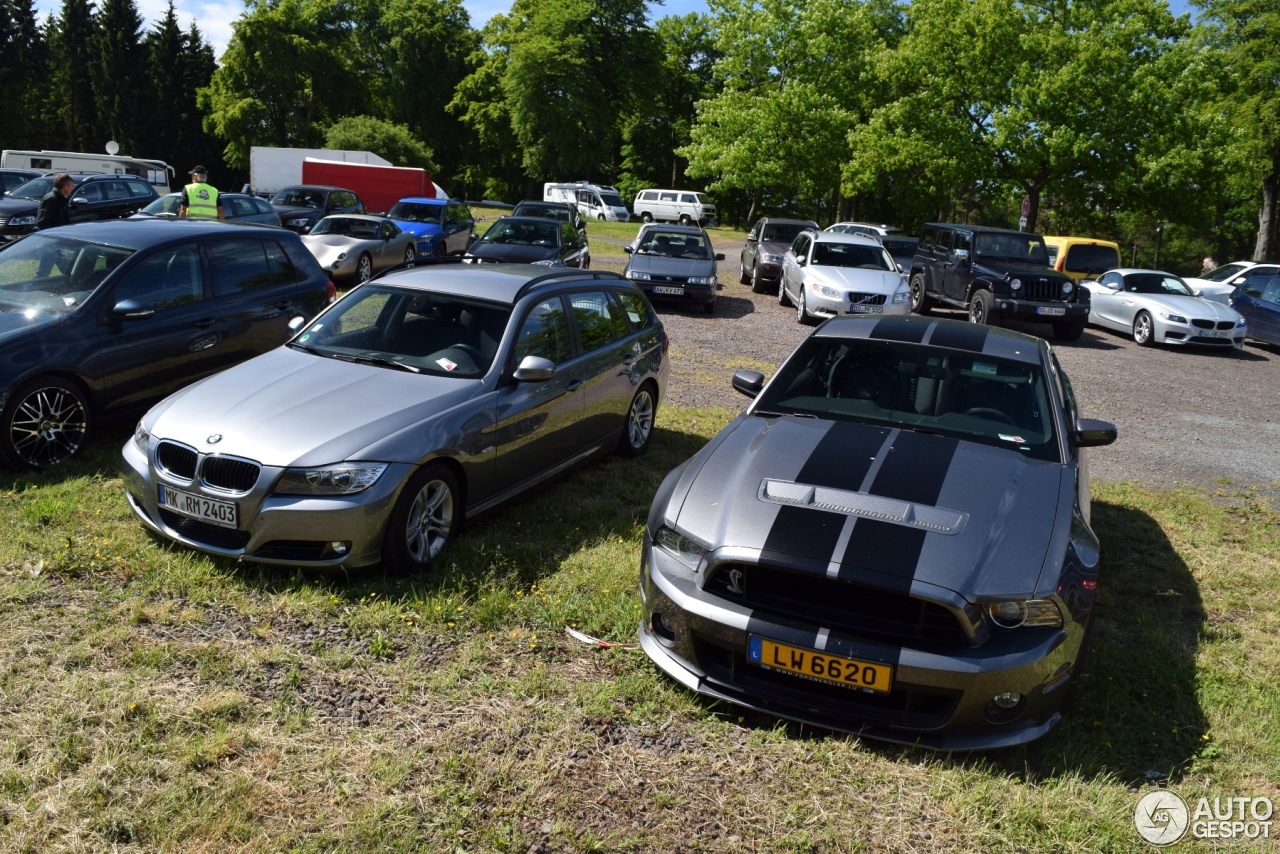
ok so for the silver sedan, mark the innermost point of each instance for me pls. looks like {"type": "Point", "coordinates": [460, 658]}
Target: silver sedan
{"type": "Point", "coordinates": [1159, 308]}
{"type": "Point", "coordinates": [352, 247]}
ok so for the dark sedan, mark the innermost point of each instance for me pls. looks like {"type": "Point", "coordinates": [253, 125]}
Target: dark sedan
{"type": "Point", "coordinates": [97, 320]}
{"type": "Point", "coordinates": [530, 240]}
{"type": "Point", "coordinates": [301, 207]}
{"type": "Point", "coordinates": [769, 240]}
{"type": "Point", "coordinates": [892, 540]}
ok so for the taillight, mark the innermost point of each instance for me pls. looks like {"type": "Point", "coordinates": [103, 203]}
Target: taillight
{"type": "Point", "coordinates": [332, 292]}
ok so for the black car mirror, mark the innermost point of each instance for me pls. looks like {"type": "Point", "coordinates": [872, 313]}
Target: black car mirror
{"type": "Point", "coordinates": [748, 382]}
{"type": "Point", "coordinates": [533, 369]}
{"type": "Point", "coordinates": [719, 256]}
{"type": "Point", "coordinates": [1090, 433]}
{"type": "Point", "coordinates": [628, 249]}
{"type": "Point", "coordinates": [130, 309]}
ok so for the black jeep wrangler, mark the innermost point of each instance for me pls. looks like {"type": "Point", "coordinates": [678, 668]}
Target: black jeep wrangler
{"type": "Point", "coordinates": [994, 274]}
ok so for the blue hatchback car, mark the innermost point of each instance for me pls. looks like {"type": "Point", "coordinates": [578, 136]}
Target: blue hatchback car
{"type": "Point", "coordinates": [98, 320]}
{"type": "Point", "coordinates": [1258, 300]}
{"type": "Point", "coordinates": [442, 226]}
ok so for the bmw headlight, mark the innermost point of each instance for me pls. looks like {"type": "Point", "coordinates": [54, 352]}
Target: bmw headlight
{"type": "Point", "coordinates": [1025, 612]}
{"type": "Point", "coordinates": [1171, 317]}
{"type": "Point", "coordinates": [339, 479]}
{"type": "Point", "coordinates": [679, 546]}
{"type": "Point", "coordinates": [637, 276]}
{"type": "Point", "coordinates": [770, 258]}
{"type": "Point", "coordinates": [829, 293]}
{"type": "Point", "coordinates": [1241, 323]}
{"type": "Point", "coordinates": [142, 438]}
{"type": "Point", "coordinates": [23, 220]}
{"type": "Point", "coordinates": [1015, 284]}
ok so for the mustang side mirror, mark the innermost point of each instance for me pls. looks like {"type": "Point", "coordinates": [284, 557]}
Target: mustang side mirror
{"type": "Point", "coordinates": [1090, 433]}
{"type": "Point", "coordinates": [748, 382]}
{"type": "Point", "coordinates": [533, 369]}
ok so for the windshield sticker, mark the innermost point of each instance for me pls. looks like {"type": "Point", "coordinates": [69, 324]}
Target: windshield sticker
{"type": "Point", "coordinates": [446, 364]}
{"type": "Point", "coordinates": [303, 339]}
{"type": "Point", "coordinates": [1008, 438]}
{"type": "Point", "coordinates": [984, 368]}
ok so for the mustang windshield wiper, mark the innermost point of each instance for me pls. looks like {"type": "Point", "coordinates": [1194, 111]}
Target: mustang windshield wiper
{"type": "Point", "coordinates": [768, 413]}
{"type": "Point", "coordinates": [377, 360]}
{"type": "Point", "coordinates": [306, 349]}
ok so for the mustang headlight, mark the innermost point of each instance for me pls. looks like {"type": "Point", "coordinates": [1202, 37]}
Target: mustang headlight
{"type": "Point", "coordinates": [23, 220]}
{"type": "Point", "coordinates": [142, 438]}
{"type": "Point", "coordinates": [1171, 317]}
{"type": "Point", "coordinates": [770, 258]}
{"type": "Point", "coordinates": [637, 275]}
{"type": "Point", "coordinates": [1015, 284]}
{"type": "Point", "coordinates": [679, 546]}
{"type": "Point", "coordinates": [1025, 612]}
{"type": "Point", "coordinates": [829, 293]}
{"type": "Point", "coordinates": [339, 479]}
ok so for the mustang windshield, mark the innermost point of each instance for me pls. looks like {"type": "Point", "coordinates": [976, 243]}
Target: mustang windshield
{"type": "Point", "coordinates": [972, 397]}
{"type": "Point", "coordinates": [431, 332]}
{"type": "Point", "coordinates": [52, 274]}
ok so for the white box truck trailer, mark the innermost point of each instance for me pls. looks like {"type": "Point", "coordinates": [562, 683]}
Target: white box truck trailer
{"type": "Point", "coordinates": [271, 168]}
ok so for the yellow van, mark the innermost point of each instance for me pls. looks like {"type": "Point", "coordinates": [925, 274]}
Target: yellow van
{"type": "Point", "coordinates": [1082, 257]}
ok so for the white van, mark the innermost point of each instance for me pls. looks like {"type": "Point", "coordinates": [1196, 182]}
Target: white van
{"type": "Point", "coordinates": [156, 172]}
{"type": "Point", "coordinates": [682, 206]}
{"type": "Point", "coordinates": [594, 201]}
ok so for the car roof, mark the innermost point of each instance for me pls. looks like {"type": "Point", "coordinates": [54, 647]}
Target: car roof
{"type": "Point", "coordinates": [504, 283]}
{"type": "Point", "coordinates": [221, 195]}
{"type": "Point", "coordinates": [807, 222]}
{"type": "Point", "coordinates": [540, 220]}
{"type": "Point", "coordinates": [674, 229]}
{"type": "Point", "coordinates": [369, 217]}
{"type": "Point", "coordinates": [312, 187]}
{"type": "Point", "coordinates": [541, 203]}
{"type": "Point", "coordinates": [423, 200]}
{"type": "Point", "coordinates": [1125, 271]}
{"type": "Point", "coordinates": [979, 229]}
{"type": "Point", "coordinates": [148, 232]}
{"type": "Point", "coordinates": [956, 335]}
{"type": "Point", "coordinates": [843, 237]}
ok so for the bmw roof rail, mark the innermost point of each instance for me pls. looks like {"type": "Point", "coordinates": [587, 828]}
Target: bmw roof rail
{"type": "Point", "coordinates": [566, 273]}
{"type": "Point", "coordinates": [417, 262]}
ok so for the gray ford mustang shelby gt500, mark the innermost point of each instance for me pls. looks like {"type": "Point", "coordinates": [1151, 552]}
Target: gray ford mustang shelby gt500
{"type": "Point", "coordinates": [892, 540]}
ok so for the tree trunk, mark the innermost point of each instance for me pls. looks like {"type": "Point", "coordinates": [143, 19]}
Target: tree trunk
{"type": "Point", "coordinates": [1033, 210]}
{"type": "Point", "coordinates": [755, 204]}
{"type": "Point", "coordinates": [1262, 250]}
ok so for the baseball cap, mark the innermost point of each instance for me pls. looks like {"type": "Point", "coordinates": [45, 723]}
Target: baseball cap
{"type": "Point", "coordinates": [199, 170]}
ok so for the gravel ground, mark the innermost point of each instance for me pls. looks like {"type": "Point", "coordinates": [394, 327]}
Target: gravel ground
{"type": "Point", "coordinates": [1210, 419]}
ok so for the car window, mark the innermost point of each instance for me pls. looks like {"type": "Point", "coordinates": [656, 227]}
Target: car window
{"type": "Point", "coordinates": [668, 197]}
{"type": "Point", "coordinates": [279, 266]}
{"type": "Point", "coordinates": [778, 232]}
{"type": "Point", "coordinates": [1110, 279]}
{"type": "Point", "coordinates": [166, 278]}
{"type": "Point", "coordinates": [53, 274]}
{"type": "Point", "coordinates": [861, 255]}
{"type": "Point", "coordinates": [568, 234]}
{"type": "Point", "coordinates": [238, 265]}
{"type": "Point", "coordinates": [91, 191]}
{"type": "Point", "coordinates": [800, 245]}
{"type": "Point", "coordinates": [1090, 259]}
{"type": "Point", "coordinates": [928, 238]}
{"type": "Point", "coordinates": [1155, 283]}
{"type": "Point", "coordinates": [139, 189]}
{"type": "Point", "coordinates": [636, 309]}
{"type": "Point", "coordinates": [599, 319]}
{"type": "Point", "coordinates": [1271, 293]}
{"type": "Point", "coordinates": [544, 332]}
{"type": "Point", "coordinates": [688, 197]}
{"type": "Point", "coordinates": [241, 207]}
{"type": "Point", "coordinates": [963, 240]}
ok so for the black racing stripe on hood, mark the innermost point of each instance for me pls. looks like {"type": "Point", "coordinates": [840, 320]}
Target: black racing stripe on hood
{"type": "Point", "coordinates": [892, 551]}
{"type": "Point", "coordinates": [907, 329]}
{"type": "Point", "coordinates": [915, 467]}
{"type": "Point", "coordinates": [972, 337]}
{"type": "Point", "coordinates": [842, 457]}
{"type": "Point", "coordinates": [802, 532]}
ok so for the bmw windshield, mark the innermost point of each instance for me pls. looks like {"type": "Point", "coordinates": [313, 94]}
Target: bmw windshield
{"type": "Point", "coordinates": [414, 331]}
{"type": "Point", "coordinates": [972, 397]}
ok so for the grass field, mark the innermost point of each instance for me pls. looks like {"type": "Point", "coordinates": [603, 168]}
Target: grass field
{"type": "Point", "coordinates": [156, 699]}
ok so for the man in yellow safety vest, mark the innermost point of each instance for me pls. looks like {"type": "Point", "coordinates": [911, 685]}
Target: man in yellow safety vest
{"type": "Point", "coordinates": [199, 200]}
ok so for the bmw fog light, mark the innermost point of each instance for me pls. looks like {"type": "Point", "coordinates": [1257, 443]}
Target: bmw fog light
{"type": "Point", "coordinates": [1008, 700]}
{"type": "Point", "coordinates": [340, 479]}
{"type": "Point", "coordinates": [1015, 284]}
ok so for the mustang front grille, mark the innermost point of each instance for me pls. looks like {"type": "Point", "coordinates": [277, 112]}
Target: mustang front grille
{"type": "Point", "coordinates": [841, 606]}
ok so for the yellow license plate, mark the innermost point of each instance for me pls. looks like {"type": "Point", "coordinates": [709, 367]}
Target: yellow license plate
{"type": "Point", "coordinates": [819, 665]}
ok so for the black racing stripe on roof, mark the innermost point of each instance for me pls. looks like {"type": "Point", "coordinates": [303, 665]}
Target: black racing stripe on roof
{"type": "Point", "coordinates": [803, 532]}
{"type": "Point", "coordinates": [908, 329]}
{"type": "Point", "coordinates": [842, 457]}
{"type": "Point", "coordinates": [972, 337]}
{"type": "Point", "coordinates": [891, 550]}
{"type": "Point", "coordinates": [915, 468]}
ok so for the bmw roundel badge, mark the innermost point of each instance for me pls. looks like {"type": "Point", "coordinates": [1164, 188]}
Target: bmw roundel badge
{"type": "Point", "coordinates": [214, 439]}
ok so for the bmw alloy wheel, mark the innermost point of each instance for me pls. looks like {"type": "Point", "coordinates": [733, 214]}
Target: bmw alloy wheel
{"type": "Point", "coordinates": [639, 427]}
{"type": "Point", "coordinates": [430, 520]}
{"type": "Point", "coordinates": [1144, 330]}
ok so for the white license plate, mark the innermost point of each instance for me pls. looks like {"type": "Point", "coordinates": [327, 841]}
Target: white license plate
{"type": "Point", "coordinates": [866, 309]}
{"type": "Point", "coordinates": [675, 292]}
{"type": "Point", "coordinates": [1050, 311]}
{"type": "Point", "coordinates": [1214, 333]}
{"type": "Point", "coordinates": [220, 513]}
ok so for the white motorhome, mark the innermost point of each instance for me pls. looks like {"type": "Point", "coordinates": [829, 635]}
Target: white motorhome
{"type": "Point", "coordinates": [594, 201]}
{"type": "Point", "coordinates": [682, 206]}
{"type": "Point", "coordinates": [156, 172]}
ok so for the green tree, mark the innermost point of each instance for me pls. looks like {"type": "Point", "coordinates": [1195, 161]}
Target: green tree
{"type": "Point", "coordinates": [118, 67]}
{"type": "Point", "coordinates": [22, 56]}
{"type": "Point", "coordinates": [1019, 99]}
{"type": "Point", "coordinates": [286, 75]}
{"type": "Point", "coordinates": [1242, 37]}
{"type": "Point", "coordinates": [71, 107]}
{"type": "Point", "coordinates": [394, 142]}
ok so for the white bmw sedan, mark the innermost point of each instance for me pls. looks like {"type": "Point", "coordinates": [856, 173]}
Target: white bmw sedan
{"type": "Point", "coordinates": [1159, 308]}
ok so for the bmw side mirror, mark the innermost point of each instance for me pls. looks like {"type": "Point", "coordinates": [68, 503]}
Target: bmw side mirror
{"type": "Point", "coordinates": [748, 382]}
{"type": "Point", "coordinates": [719, 256]}
{"type": "Point", "coordinates": [1090, 433]}
{"type": "Point", "coordinates": [130, 309]}
{"type": "Point", "coordinates": [534, 369]}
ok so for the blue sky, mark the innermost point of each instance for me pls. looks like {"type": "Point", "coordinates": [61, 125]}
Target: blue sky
{"type": "Point", "coordinates": [214, 17]}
